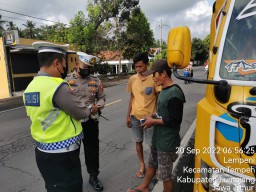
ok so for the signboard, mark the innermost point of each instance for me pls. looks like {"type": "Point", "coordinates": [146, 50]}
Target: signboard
{"type": "Point", "coordinates": [11, 37]}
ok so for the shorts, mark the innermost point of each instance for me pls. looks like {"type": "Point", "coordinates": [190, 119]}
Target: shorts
{"type": "Point", "coordinates": [138, 133]}
{"type": "Point", "coordinates": [162, 162]}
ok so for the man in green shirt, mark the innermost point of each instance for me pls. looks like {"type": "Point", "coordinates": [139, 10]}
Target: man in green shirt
{"type": "Point", "coordinates": [167, 120]}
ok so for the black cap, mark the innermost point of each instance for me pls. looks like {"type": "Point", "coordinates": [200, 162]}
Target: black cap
{"type": "Point", "coordinates": [159, 65]}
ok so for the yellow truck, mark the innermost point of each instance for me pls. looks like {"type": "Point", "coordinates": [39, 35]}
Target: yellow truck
{"type": "Point", "coordinates": [225, 136]}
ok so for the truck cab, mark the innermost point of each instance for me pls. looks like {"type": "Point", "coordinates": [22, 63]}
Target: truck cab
{"type": "Point", "coordinates": [225, 134]}
{"type": "Point", "coordinates": [226, 117]}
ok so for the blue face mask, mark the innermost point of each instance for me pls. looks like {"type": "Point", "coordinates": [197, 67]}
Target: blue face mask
{"type": "Point", "coordinates": [84, 72]}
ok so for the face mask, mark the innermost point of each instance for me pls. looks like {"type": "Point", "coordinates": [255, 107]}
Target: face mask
{"type": "Point", "coordinates": [84, 72]}
{"type": "Point", "coordinates": [65, 72]}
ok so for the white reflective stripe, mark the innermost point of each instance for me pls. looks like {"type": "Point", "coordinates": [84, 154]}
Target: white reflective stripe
{"type": "Point", "coordinates": [49, 116]}
{"type": "Point", "coordinates": [49, 120]}
{"type": "Point", "coordinates": [64, 150]}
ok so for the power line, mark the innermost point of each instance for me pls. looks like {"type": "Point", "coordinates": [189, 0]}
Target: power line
{"type": "Point", "coordinates": [12, 6]}
{"type": "Point", "coordinates": [19, 19]}
{"type": "Point", "coordinates": [28, 15]}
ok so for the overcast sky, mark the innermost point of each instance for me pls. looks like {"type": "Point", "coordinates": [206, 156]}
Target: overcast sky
{"type": "Point", "coordinates": [193, 13]}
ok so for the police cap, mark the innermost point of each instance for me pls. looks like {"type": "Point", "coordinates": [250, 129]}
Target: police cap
{"type": "Point", "coordinates": [86, 59]}
{"type": "Point", "coordinates": [50, 47]}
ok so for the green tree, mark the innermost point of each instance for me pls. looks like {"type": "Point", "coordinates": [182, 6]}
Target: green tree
{"type": "Point", "coordinates": [199, 50]}
{"type": "Point", "coordinates": [44, 32]}
{"type": "Point", "coordinates": [102, 68]}
{"type": "Point", "coordinates": [81, 32]}
{"type": "Point", "coordinates": [20, 32]}
{"type": "Point", "coordinates": [29, 31]}
{"type": "Point", "coordinates": [139, 36]}
{"type": "Point", "coordinates": [103, 28]}
{"type": "Point", "coordinates": [103, 10]}
{"type": "Point", "coordinates": [11, 26]}
{"type": "Point", "coordinates": [57, 33]}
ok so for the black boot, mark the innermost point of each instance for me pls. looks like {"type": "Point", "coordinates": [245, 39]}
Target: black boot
{"type": "Point", "coordinates": [96, 183]}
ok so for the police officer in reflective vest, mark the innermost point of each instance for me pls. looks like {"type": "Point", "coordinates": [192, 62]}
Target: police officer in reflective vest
{"type": "Point", "coordinates": [90, 91]}
{"type": "Point", "coordinates": [55, 113]}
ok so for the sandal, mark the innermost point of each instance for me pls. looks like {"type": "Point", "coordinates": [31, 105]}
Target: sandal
{"type": "Point", "coordinates": [140, 174]}
{"type": "Point", "coordinates": [134, 189]}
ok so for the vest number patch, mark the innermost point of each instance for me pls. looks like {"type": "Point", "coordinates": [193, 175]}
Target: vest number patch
{"type": "Point", "coordinates": [32, 99]}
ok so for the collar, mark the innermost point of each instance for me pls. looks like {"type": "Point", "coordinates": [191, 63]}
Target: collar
{"type": "Point", "coordinates": [42, 73]}
{"type": "Point", "coordinates": [142, 78]}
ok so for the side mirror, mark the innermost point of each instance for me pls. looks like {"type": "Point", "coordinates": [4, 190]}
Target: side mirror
{"type": "Point", "coordinates": [179, 47]}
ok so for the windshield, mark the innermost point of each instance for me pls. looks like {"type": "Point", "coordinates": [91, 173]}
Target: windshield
{"type": "Point", "coordinates": [238, 60]}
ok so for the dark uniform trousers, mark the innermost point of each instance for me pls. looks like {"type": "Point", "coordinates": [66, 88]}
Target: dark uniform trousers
{"type": "Point", "coordinates": [91, 146]}
{"type": "Point", "coordinates": [61, 171]}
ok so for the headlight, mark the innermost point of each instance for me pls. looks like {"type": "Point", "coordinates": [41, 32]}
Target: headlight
{"type": "Point", "coordinates": [213, 179]}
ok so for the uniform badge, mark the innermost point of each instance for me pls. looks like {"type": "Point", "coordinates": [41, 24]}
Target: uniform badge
{"type": "Point", "coordinates": [92, 87]}
{"type": "Point", "coordinates": [72, 82]}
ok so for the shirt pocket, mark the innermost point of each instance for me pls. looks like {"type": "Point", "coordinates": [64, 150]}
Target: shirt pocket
{"type": "Point", "coordinates": [148, 90]}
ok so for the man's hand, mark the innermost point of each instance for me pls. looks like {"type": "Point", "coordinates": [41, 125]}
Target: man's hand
{"type": "Point", "coordinates": [148, 123]}
{"type": "Point", "coordinates": [94, 109]}
{"type": "Point", "coordinates": [128, 122]}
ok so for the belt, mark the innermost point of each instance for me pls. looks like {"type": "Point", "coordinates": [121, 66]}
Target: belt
{"type": "Point", "coordinates": [85, 119]}
{"type": "Point", "coordinates": [72, 147]}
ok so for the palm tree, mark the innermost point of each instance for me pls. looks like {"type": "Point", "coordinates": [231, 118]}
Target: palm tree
{"type": "Point", "coordinates": [30, 29]}
{"type": "Point", "coordinates": [11, 26]}
{"type": "Point", "coordinates": [20, 32]}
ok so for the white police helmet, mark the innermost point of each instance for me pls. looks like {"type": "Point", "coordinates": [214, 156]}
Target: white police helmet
{"type": "Point", "coordinates": [86, 59]}
{"type": "Point", "coordinates": [50, 47]}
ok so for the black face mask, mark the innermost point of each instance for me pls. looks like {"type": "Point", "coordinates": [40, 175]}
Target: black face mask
{"type": "Point", "coordinates": [65, 72]}
{"type": "Point", "coordinates": [84, 72]}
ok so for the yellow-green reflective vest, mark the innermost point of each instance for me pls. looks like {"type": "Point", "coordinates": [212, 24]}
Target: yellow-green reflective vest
{"type": "Point", "coordinates": [51, 127]}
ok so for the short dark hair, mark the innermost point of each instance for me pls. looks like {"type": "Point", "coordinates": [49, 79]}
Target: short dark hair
{"type": "Point", "coordinates": [167, 70]}
{"type": "Point", "coordinates": [141, 57]}
{"type": "Point", "coordinates": [46, 58]}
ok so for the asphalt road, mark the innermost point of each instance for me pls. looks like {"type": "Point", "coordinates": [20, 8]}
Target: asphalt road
{"type": "Point", "coordinates": [118, 159]}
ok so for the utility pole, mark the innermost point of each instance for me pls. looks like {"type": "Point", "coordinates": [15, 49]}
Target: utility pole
{"type": "Point", "coordinates": [161, 29]}
{"type": "Point", "coordinates": [161, 26]}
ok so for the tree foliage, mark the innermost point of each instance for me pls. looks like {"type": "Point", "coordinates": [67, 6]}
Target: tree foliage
{"type": "Point", "coordinates": [29, 30]}
{"type": "Point", "coordinates": [200, 49]}
{"type": "Point", "coordinates": [103, 10]}
{"type": "Point", "coordinates": [77, 33]}
{"type": "Point", "coordinates": [103, 69]}
{"type": "Point", "coordinates": [138, 36]}
{"type": "Point", "coordinates": [54, 33]}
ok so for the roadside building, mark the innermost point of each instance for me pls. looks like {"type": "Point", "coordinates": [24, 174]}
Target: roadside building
{"type": "Point", "coordinates": [19, 63]}
{"type": "Point", "coordinates": [114, 59]}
